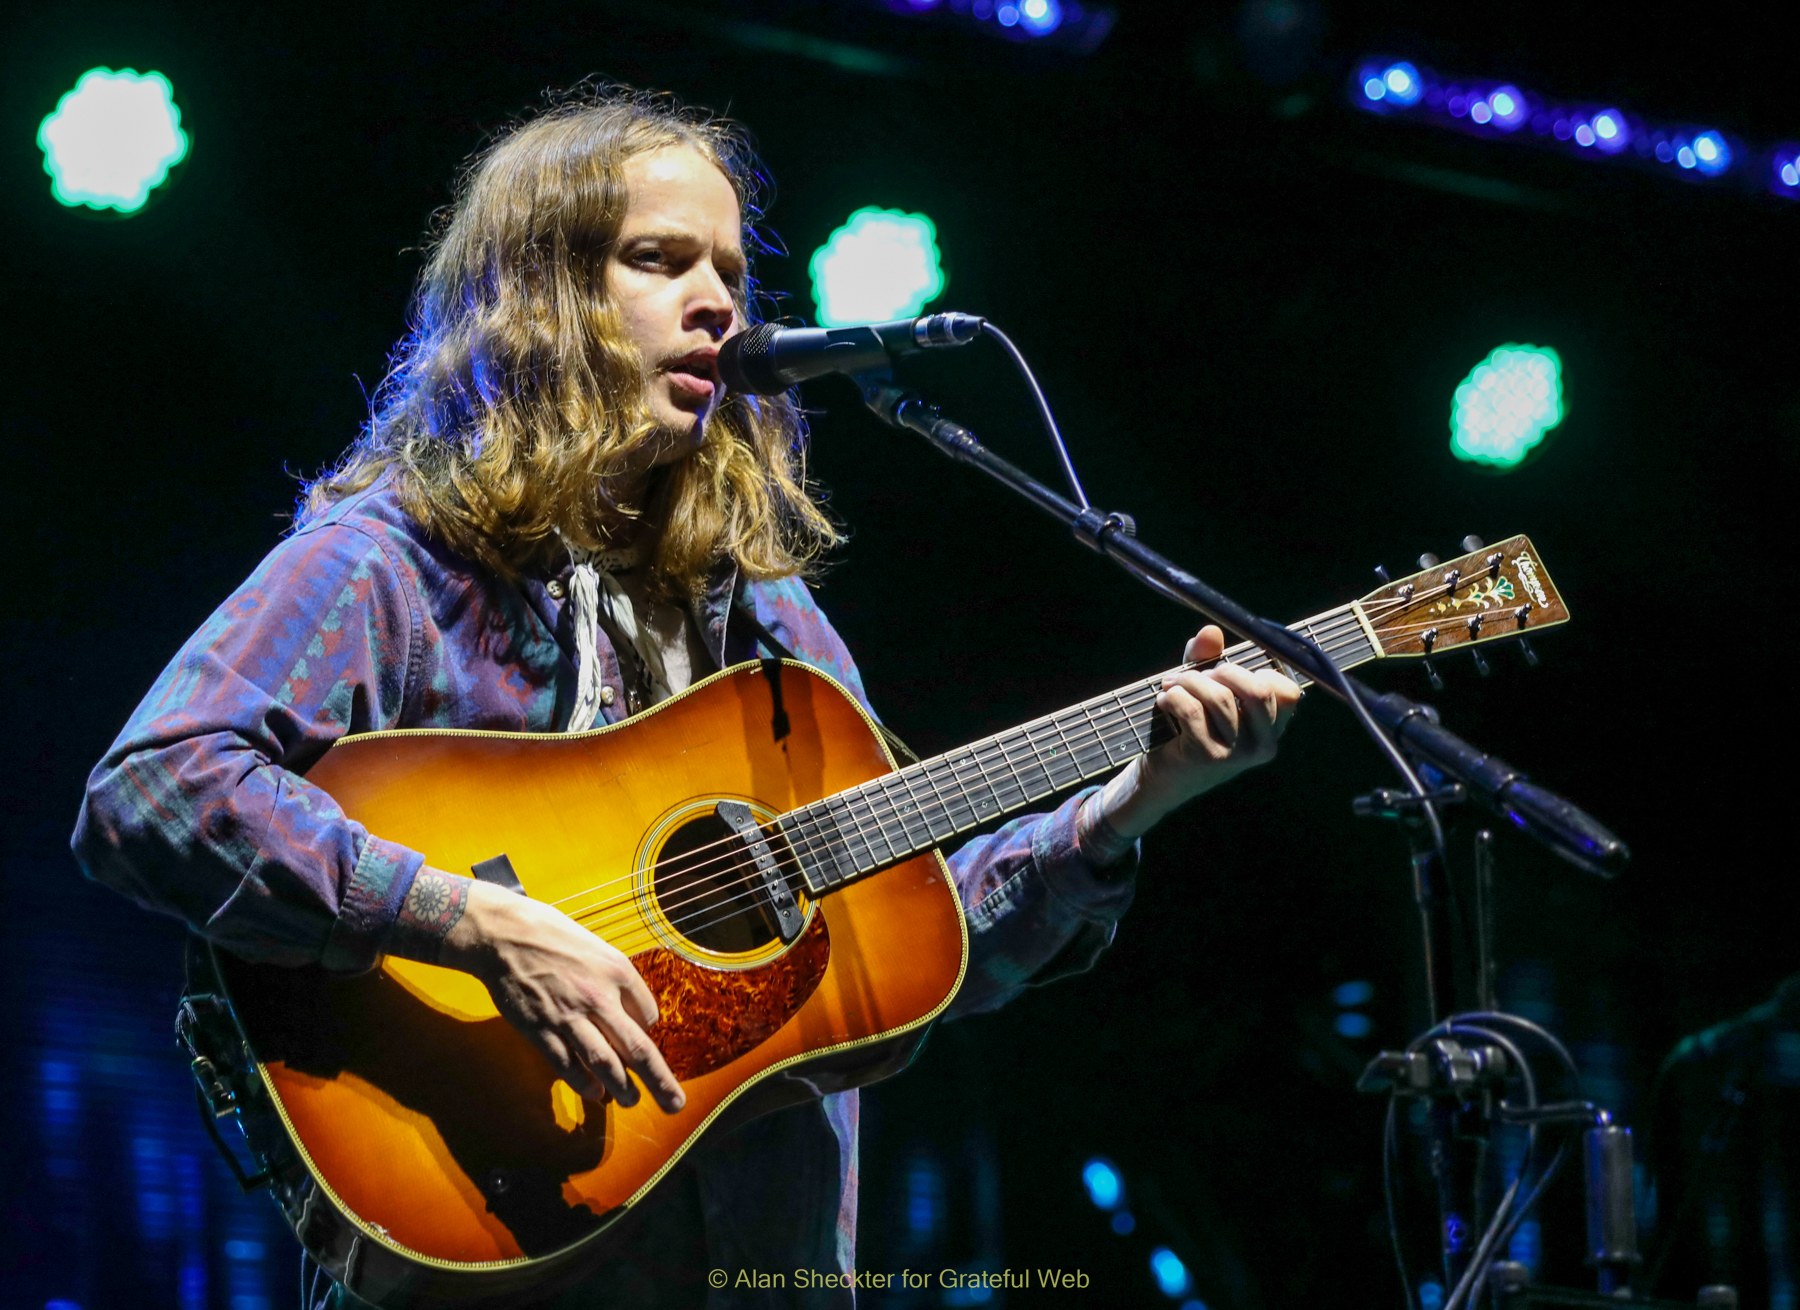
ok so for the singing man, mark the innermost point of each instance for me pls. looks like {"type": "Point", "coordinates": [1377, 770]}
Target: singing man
{"type": "Point", "coordinates": [555, 518]}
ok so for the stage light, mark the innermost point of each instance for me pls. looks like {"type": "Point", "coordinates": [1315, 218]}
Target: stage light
{"type": "Point", "coordinates": [1007, 15]}
{"type": "Point", "coordinates": [1784, 170]}
{"type": "Point", "coordinates": [1611, 132]}
{"type": "Point", "coordinates": [1352, 1024]}
{"type": "Point", "coordinates": [1171, 1274]}
{"type": "Point", "coordinates": [1431, 1295]}
{"type": "Point", "coordinates": [1040, 17]}
{"type": "Point", "coordinates": [882, 264]}
{"type": "Point", "coordinates": [1684, 155]}
{"type": "Point", "coordinates": [1508, 106]}
{"type": "Point", "coordinates": [1353, 993]}
{"type": "Point", "coordinates": [112, 140]}
{"type": "Point", "coordinates": [1104, 1186]}
{"type": "Point", "coordinates": [1506, 405]}
{"type": "Point", "coordinates": [1123, 1222]}
{"type": "Point", "coordinates": [1584, 135]}
{"type": "Point", "coordinates": [1711, 155]}
{"type": "Point", "coordinates": [1401, 82]}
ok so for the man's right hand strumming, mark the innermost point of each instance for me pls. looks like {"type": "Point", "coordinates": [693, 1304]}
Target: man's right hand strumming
{"type": "Point", "coordinates": [574, 997]}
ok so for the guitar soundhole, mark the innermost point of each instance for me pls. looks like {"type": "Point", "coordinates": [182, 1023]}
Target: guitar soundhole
{"type": "Point", "coordinates": [704, 885]}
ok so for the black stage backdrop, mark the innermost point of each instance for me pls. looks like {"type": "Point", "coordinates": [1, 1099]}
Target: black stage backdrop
{"type": "Point", "coordinates": [1250, 307]}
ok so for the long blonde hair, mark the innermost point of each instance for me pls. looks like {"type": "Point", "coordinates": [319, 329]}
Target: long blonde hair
{"type": "Point", "coordinates": [515, 401]}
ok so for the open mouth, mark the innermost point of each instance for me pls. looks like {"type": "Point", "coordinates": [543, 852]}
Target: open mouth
{"type": "Point", "coordinates": [696, 373]}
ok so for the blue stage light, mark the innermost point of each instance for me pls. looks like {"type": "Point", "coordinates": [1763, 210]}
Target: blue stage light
{"type": "Point", "coordinates": [1684, 155]}
{"type": "Point", "coordinates": [1352, 1024]}
{"type": "Point", "coordinates": [1357, 992]}
{"type": "Point", "coordinates": [1431, 1295]}
{"type": "Point", "coordinates": [1584, 134]}
{"type": "Point", "coordinates": [1123, 1223]}
{"type": "Point", "coordinates": [1508, 106]}
{"type": "Point", "coordinates": [1104, 1186]}
{"type": "Point", "coordinates": [1171, 1274]}
{"type": "Point", "coordinates": [1711, 155]}
{"type": "Point", "coordinates": [1612, 132]}
{"type": "Point", "coordinates": [1401, 84]}
{"type": "Point", "coordinates": [1040, 17]}
{"type": "Point", "coordinates": [1480, 112]}
{"type": "Point", "coordinates": [1784, 170]}
{"type": "Point", "coordinates": [1374, 88]}
{"type": "Point", "coordinates": [1007, 15]}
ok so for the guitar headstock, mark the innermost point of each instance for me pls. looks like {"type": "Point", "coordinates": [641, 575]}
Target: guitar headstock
{"type": "Point", "coordinates": [1496, 593]}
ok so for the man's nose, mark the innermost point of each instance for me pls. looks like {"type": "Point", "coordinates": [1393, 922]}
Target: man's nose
{"type": "Point", "coordinates": [711, 306]}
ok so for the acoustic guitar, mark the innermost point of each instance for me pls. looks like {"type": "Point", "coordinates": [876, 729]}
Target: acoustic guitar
{"type": "Point", "coordinates": [771, 872]}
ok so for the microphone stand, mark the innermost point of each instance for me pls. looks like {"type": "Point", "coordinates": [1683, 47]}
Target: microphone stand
{"type": "Point", "coordinates": [1448, 770]}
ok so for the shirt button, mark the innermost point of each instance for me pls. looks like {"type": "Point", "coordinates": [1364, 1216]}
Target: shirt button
{"type": "Point", "coordinates": [555, 588]}
{"type": "Point", "coordinates": [607, 695]}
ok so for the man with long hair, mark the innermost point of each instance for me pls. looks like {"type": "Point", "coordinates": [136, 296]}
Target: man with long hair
{"type": "Point", "coordinates": [555, 518]}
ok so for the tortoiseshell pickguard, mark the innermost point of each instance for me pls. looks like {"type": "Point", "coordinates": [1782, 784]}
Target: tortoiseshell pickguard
{"type": "Point", "coordinates": [709, 1017]}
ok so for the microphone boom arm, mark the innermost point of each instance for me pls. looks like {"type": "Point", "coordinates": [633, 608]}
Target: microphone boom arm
{"type": "Point", "coordinates": [1558, 824]}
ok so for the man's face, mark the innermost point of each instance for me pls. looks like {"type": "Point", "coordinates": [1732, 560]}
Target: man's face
{"type": "Point", "coordinates": [672, 273]}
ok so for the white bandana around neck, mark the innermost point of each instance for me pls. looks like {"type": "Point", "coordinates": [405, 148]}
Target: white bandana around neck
{"type": "Point", "coordinates": [592, 585]}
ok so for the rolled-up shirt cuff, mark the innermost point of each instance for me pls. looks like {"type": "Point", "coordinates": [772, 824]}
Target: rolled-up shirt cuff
{"type": "Point", "coordinates": [383, 875]}
{"type": "Point", "coordinates": [1067, 858]}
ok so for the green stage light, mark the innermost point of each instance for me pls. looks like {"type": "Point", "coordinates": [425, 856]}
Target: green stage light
{"type": "Point", "coordinates": [1506, 405]}
{"type": "Point", "coordinates": [112, 140]}
{"type": "Point", "coordinates": [882, 264]}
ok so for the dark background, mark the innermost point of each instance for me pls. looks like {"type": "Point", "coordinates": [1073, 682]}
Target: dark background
{"type": "Point", "coordinates": [1250, 306]}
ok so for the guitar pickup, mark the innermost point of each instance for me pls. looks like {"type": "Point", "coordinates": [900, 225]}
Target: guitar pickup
{"type": "Point", "coordinates": [778, 897]}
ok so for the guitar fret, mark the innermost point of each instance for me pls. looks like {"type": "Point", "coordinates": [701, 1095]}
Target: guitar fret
{"type": "Point", "coordinates": [1037, 758]}
{"type": "Point", "coordinates": [873, 824]}
{"type": "Point", "coordinates": [906, 809]}
{"type": "Point", "coordinates": [1068, 751]}
{"type": "Point", "coordinates": [894, 817]}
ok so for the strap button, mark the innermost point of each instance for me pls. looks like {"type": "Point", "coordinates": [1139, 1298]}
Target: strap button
{"type": "Point", "coordinates": [608, 695]}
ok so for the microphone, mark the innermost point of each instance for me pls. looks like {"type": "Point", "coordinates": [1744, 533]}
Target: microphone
{"type": "Point", "coordinates": [767, 360]}
{"type": "Point", "coordinates": [1780, 1011]}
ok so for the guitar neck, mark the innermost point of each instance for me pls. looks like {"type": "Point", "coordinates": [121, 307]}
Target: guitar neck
{"type": "Point", "coordinates": [902, 814]}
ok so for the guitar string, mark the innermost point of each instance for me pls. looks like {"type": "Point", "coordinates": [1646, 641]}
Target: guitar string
{"type": "Point", "coordinates": [880, 808]}
{"type": "Point", "coordinates": [977, 754]}
{"type": "Point", "coordinates": [1005, 745]}
{"type": "Point", "coordinates": [1333, 624]}
{"type": "Point", "coordinates": [803, 844]}
{"type": "Point", "coordinates": [1003, 749]}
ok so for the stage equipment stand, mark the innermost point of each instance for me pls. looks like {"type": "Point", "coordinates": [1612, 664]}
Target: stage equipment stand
{"type": "Point", "coordinates": [1463, 1062]}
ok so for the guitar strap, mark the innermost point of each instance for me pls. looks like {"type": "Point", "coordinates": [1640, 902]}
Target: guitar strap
{"type": "Point", "coordinates": [780, 650]}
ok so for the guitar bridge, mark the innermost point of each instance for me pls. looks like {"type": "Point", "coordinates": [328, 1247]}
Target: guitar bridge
{"type": "Point", "coordinates": [778, 897]}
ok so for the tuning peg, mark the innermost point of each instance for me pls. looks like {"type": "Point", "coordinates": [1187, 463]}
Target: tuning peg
{"type": "Point", "coordinates": [1431, 673]}
{"type": "Point", "coordinates": [1481, 665]}
{"type": "Point", "coordinates": [1472, 543]}
{"type": "Point", "coordinates": [1531, 656]}
{"type": "Point", "coordinates": [1382, 573]}
{"type": "Point", "coordinates": [1428, 561]}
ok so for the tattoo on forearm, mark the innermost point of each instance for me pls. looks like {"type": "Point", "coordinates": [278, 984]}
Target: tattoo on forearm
{"type": "Point", "coordinates": [432, 908]}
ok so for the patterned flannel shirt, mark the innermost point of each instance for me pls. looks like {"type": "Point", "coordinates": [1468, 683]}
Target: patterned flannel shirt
{"type": "Point", "coordinates": [359, 622]}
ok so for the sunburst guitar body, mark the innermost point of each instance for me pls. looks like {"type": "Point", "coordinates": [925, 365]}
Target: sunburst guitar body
{"type": "Point", "coordinates": [447, 1161]}
{"type": "Point", "coordinates": [752, 847]}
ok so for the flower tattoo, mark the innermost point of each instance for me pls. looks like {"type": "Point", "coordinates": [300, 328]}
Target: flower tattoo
{"type": "Point", "coordinates": [432, 908]}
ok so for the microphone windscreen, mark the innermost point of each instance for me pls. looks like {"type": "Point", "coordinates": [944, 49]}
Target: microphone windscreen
{"type": "Point", "coordinates": [747, 365]}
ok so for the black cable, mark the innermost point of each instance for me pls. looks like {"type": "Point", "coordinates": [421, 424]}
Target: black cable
{"type": "Point", "coordinates": [1390, 1151]}
{"type": "Point", "coordinates": [1345, 689]}
{"type": "Point", "coordinates": [1043, 408]}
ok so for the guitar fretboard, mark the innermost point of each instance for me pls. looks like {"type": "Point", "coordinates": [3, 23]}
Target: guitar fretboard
{"type": "Point", "coordinates": [905, 813]}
